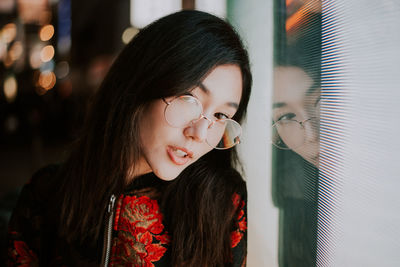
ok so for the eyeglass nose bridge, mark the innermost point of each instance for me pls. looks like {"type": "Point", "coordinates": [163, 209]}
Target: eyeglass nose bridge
{"type": "Point", "coordinates": [306, 120]}
{"type": "Point", "coordinates": [302, 122]}
{"type": "Point", "coordinates": [202, 116]}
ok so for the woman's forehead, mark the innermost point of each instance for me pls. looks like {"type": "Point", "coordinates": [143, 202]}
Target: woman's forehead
{"type": "Point", "coordinates": [291, 84]}
{"type": "Point", "coordinates": [223, 84]}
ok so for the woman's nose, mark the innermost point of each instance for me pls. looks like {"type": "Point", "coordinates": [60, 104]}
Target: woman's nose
{"type": "Point", "coordinates": [197, 130]}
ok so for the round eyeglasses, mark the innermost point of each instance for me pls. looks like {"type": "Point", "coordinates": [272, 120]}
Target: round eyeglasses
{"type": "Point", "coordinates": [185, 110]}
{"type": "Point", "coordinates": [290, 134]}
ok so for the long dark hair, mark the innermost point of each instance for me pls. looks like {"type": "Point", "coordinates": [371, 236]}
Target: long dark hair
{"type": "Point", "coordinates": [167, 58]}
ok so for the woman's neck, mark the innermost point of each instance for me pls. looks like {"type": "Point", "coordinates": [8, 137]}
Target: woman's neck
{"type": "Point", "coordinates": [140, 168]}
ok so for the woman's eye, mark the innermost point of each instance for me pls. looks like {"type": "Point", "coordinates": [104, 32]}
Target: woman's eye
{"type": "Point", "coordinates": [188, 94]}
{"type": "Point", "coordinates": [220, 116]}
{"type": "Point", "coordinates": [287, 116]}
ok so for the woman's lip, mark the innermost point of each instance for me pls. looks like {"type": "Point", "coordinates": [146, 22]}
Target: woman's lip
{"type": "Point", "coordinates": [187, 151]}
{"type": "Point", "coordinates": [175, 158]}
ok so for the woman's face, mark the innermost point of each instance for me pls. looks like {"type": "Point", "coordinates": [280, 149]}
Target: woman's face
{"type": "Point", "coordinates": [167, 150]}
{"type": "Point", "coordinates": [295, 98]}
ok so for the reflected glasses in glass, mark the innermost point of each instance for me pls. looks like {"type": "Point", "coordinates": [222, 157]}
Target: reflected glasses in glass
{"type": "Point", "coordinates": [290, 134]}
{"type": "Point", "coordinates": [185, 110]}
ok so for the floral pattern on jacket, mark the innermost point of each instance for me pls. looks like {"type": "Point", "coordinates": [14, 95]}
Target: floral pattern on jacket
{"type": "Point", "coordinates": [139, 236]}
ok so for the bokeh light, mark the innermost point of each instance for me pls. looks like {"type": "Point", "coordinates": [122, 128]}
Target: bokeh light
{"type": "Point", "coordinates": [34, 57]}
{"type": "Point", "coordinates": [10, 88]}
{"type": "Point", "coordinates": [62, 69]}
{"type": "Point", "coordinates": [46, 32]}
{"type": "Point", "coordinates": [16, 50]}
{"type": "Point", "coordinates": [47, 53]}
{"type": "Point", "coordinates": [3, 49]}
{"type": "Point", "coordinates": [47, 80]}
{"type": "Point", "coordinates": [47, 66]}
{"type": "Point", "coordinates": [8, 61]}
{"type": "Point", "coordinates": [9, 32]}
{"type": "Point", "coordinates": [34, 12]}
{"type": "Point", "coordinates": [128, 34]}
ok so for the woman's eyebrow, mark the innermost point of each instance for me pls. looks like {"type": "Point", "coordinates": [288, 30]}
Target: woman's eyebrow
{"type": "Point", "coordinates": [312, 88]}
{"type": "Point", "coordinates": [204, 88]}
{"type": "Point", "coordinates": [278, 105]}
{"type": "Point", "coordinates": [207, 91]}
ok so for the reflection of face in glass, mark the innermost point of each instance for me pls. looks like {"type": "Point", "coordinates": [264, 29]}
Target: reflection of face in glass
{"type": "Point", "coordinates": [296, 112]}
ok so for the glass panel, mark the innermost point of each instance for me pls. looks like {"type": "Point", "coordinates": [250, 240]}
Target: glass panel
{"type": "Point", "coordinates": [295, 129]}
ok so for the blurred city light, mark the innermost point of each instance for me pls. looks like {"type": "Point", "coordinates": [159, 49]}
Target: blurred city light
{"type": "Point", "coordinates": [34, 11]}
{"type": "Point", "coordinates": [16, 50]}
{"type": "Point", "coordinates": [47, 53]}
{"type": "Point", "coordinates": [64, 45]}
{"type": "Point", "coordinates": [46, 32]}
{"type": "Point", "coordinates": [144, 12]}
{"type": "Point", "coordinates": [47, 66]}
{"type": "Point", "coordinates": [47, 80]}
{"type": "Point", "coordinates": [3, 49]}
{"type": "Point", "coordinates": [8, 61]}
{"type": "Point", "coordinates": [10, 88]}
{"type": "Point", "coordinates": [34, 57]}
{"type": "Point", "coordinates": [9, 32]}
{"type": "Point", "coordinates": [128, 34]}
{"type": "Point", "coordinates": [64, 27]}
{"type": "Point", "coordinates": [7, 6]}
{"type": "Point", "coordinates": [62, 69]}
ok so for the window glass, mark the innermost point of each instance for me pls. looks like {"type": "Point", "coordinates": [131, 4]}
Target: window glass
{"type": "Point", "coordinates": [335, 128]}
{"type": "Point", "coordinates": [295, 128]}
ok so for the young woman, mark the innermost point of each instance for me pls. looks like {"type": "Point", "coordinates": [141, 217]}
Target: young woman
{"type": "Point", "coordinates": [151, 180]}
{"type": "Point", "coordinates": [296, 103]}
{"type": "Point", "coordinates": [296, 110]}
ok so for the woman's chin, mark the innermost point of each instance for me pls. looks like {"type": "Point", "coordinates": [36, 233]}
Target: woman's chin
{"type": "Point", "coordinates": [167, 175]}
{"type": "Point", "coordinates": [314, 161]}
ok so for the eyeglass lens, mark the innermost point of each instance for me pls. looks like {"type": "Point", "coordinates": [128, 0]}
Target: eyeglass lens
{"type": "Point", "coordinates": [289, 134]}
{"type": "Point", "coordinates": [183, 110]}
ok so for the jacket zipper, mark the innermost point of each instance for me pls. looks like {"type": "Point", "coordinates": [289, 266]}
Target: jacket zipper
{"type": "Point", "coordinates": [108, 232]}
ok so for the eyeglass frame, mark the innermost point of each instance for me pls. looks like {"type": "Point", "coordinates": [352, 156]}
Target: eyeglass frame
{"type": "Point", "coordinates": [202, 116]}
{"type": "Point", "coordinates": [301, 123]}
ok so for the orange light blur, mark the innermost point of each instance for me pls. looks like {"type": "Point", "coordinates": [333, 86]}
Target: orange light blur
{"type": "Point", "coordinates": [288, 2]}
{"type": "Point", "coordinates": [46, 32]}
{"type": "Point", "coordinates": [40, 91]}
{"type": "Point", "coordinates": [34, 11]}
{"type": "Point", "coordinates": [10, 88]}
{"type": "Point", "coordinates": [47, 53]}
{"type": "Point", "coordinates": [3, 49]}
{"type": "Point", "coordinates": [16, 50]}
{"type": "Point", "coordinates": [8, 61]}
{"type": "Point", "coordinates": [300, 17]}
{"type": "Point", "coordinates": [9, 32]}
{"type": "Point", "coordinates": [47, 80]}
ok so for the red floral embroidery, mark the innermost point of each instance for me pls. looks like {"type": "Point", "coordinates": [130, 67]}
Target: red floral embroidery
{"type": "Point", "coordinates": [237, 234]}
{"type": "Point", "coordinates": [141, 234]}
{"type": "Point", "coordinates": [22, 255]}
